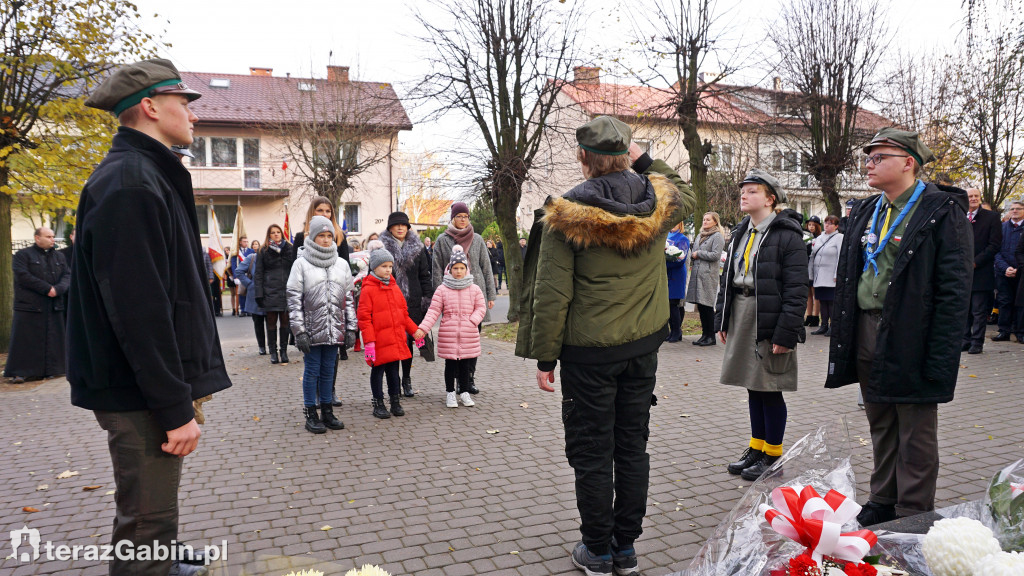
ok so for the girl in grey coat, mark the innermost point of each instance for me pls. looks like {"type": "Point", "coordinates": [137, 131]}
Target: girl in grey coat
{"type": "Point", "coordinates": [702, 290]}
{"type": "Point", "coordinates": [322, 314]}
{"type": "Point", "coordinates": [824, 262]}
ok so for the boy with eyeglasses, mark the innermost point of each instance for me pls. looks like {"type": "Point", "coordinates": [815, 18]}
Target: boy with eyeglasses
{"type": "Point", "coordinates": [902, 293]}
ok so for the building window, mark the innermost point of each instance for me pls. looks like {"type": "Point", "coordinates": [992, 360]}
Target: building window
{"type": "Point", "coordinates": [225, 217]}
{"type": "Point", "coordinates": [721, 157]}
{"type": "Point", "coordinates": [352, 218]}
{"type": "Point", "coordinates": [785, 160]}
{"type": "Point", "coordinates": [198, 149]}
{"type": "Point", "coordinates": [223, 152]}
{"type": "Point", "coordinates": [251, 152]}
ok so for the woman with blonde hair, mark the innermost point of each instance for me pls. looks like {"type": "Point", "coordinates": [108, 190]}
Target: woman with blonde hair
{"type": "Point", "coordinates": [759, 315]}
{"type": "Point", "coordinates": [706, 253]}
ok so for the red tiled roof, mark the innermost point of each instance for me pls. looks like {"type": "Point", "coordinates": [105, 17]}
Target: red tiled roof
{"type": "Point", "coordinates": [730, 105]}
{"type": "Point", "coordinates": [272, 100]}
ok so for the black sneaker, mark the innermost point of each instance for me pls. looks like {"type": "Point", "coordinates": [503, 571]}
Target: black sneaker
{"type": "Point", "coordinates": [591, 564]}
{"type": "Point", "coordinates": [624, 562]}
{"type": "Point", "coordinates": [873, 513]}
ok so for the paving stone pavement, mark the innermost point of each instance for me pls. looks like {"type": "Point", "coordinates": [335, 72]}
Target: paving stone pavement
{"type": "Point", "coordinates": [482, 490]}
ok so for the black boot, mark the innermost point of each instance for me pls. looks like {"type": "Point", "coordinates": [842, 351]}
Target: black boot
{"type": "Point", "coordinates": [407, 387]}
{"type": "Point", "coordinates": [328, 418]}
{"type": "Point", "coordinates": [334, 396]}
{"type": "Point", "coordinates": [284, 355]}
{"type": "Point", "coordinates": [755, 470]}
{"type": "Point", "coordinates": [313, 423]}
{"type": "Point", "coordinates": [748, 457]}
{"type": "Point", "coordinates": [273, 356]}
{"type": "Point", "coordinates": [820, 331]}
{"type": "Point", "coordinates": [263, 350]}
{"type": "Point", "coordinates": [811, 321]}
{"type": "Point", "coordinates": [707, 341]}
{"type": "Point", "coordinates": [396, 405]}
{"type": "Point", "coordinates": [342, 353]}
{"type": "Point", "coordinates": [379, 411]}
{"type": "Point", "coordinates": [873, 513]}
{"type": "Point", "coordinates": [272, 344]}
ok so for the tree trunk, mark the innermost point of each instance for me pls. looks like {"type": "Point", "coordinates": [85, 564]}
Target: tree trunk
{"type": "Point", "coordinates": [6, 272]}
{"type": "Point", "coordinates": [506, 204]}
{"type": "Point", "coordinates": [830, 192]}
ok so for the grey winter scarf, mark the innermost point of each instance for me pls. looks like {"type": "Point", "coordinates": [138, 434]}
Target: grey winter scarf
{"type": "Point", "coordinates": [454, 284]}
{"type": "Point", "coordinates": [462, 237]}
{"type": "Point", "coordinates": [384, 281]}
{"type": "Point", "coordinates": [318, 255]}
{"type": "Point", "coordinates": [405, 254]}
{"type": "Point", "coordinates": [275, 246]}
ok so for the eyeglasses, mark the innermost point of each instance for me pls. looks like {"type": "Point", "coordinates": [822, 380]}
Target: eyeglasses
{"type": "Point", "coordinates": [876, 158]}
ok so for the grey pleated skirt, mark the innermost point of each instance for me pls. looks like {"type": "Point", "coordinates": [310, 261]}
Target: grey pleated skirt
{"type": "Point", "coordinates": [751, 364]}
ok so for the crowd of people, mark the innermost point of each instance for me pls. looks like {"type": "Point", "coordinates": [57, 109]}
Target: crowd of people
{"type": "Point", "coordinates": [894, 284]}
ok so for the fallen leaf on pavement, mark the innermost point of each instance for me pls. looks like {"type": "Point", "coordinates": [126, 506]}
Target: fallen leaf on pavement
{"type": "Point", "coordinates": [66, 474]}
{"type": "Point", "coordinates": [325, 527]}
{"type": "Point", "coordinates": [91, 488]}
{"type": "Point", "coordinates": [110, 492]}
{"type": "Point", "coordinates": [29, 509]}
{"type": "Point", "coordinates": [971, 376]}
{"type": "Point", "coordinates": [495, 431]}
{"type": "Point", "coordinates": [524, 405]}
{"type": "Point", "coordinates": [255, 418]}
{"type": "Point", "coordinates": [42, 487]}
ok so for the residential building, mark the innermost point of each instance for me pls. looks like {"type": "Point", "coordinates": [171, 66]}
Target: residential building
{"type": "Point", "coordinates": [742, 127]}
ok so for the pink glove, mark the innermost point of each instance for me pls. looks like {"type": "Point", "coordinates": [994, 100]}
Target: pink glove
{"type": "Point", "coordinates": [370, 352]}
{"type": "Point", "coordinates": [419, 343]}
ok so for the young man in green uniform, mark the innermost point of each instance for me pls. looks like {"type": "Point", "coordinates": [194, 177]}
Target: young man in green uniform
{"type": "Point", "coordinates": [903, 289]}
{"type": "Point", "coordinates": [596, 297]}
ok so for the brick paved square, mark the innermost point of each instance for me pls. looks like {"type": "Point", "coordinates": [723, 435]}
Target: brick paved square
{"type": "Point", "coordinates": [434, 492]}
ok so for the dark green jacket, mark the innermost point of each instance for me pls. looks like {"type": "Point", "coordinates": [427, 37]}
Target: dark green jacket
{"type": "Point", "coordinates": [594, 286]}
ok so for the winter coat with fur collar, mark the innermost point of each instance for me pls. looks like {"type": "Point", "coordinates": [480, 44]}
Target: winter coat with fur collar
{"type": "Point", "coordinates": [411, 271]}
{"type": "Point", "coordinates": [595, 287]}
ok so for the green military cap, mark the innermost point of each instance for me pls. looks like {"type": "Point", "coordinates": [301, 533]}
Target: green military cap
{"type": "Point", "coordinates": [904, 140]}
{"type": "Point", "coordinates": [604, 135]}
{"type": "Point", "coordinates": [130, 83]}
{"type": "Point", "coordinates": [758, 176]}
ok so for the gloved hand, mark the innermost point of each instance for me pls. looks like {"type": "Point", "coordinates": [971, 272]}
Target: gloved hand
{"type": "Point", "coordinates": [302, 343]}
{"type": "Point", "coordinates": [350, 339]}
{"type": "Point", "coordinates": [259, 302]}
{"type": "Point", "coordinates": [370, 352]}
{"type": "Point", "coordinates": [420, 342]}
{"type": "Point", "coordinates": [238, 282]}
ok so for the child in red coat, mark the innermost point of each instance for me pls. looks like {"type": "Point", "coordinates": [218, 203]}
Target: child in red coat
{"type": "Point", "coordinates": [384, 321]}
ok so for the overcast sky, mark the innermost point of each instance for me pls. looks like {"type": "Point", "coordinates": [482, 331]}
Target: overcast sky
{"type": "Point", "coordinates": [377, 38]}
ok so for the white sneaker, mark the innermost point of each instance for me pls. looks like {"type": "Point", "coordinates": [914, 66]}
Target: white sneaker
{"type": "Point", "coordinates": [450, 401]}
{"type": "Point", "coordinates": [467, 400]}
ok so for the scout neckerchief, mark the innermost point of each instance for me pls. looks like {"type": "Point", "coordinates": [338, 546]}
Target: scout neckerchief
{"type": "Point", "coordinates": [746, 251]}
{"type": "Point", "coordinates": [887, 229]}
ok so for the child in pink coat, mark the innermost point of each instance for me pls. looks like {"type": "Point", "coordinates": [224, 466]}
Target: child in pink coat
{"type": "Point", "coordinates": [458, 340]}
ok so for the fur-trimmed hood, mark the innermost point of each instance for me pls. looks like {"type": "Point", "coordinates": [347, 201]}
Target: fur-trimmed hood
{"type": "Point", "coordinates": [629, 230]}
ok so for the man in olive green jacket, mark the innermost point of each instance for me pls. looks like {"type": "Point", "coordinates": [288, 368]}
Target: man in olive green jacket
{"type": "Point", "coordinates": [596, 297]}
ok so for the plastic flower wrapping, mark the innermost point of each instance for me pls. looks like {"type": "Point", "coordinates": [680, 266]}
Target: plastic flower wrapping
{"type": "Point", "coordinates": [673, 253]}
{"type": "Point", "coordinates": [367, 570]}
{"type": "Point", "coordinates": [1004, 501]}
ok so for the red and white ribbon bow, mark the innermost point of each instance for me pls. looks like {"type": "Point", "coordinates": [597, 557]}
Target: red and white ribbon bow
{"type": "Point", "coordinates": [804, 516]}
{"type": "Point", "coordinates": [1016, 490]}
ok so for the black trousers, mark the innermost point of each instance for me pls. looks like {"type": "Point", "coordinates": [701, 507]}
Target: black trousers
{"type": "Point", "coordinates": [1010, 320]}
{"type": "Point", "coordinates": [457, 370]}
{"type": "Point", "coordinates": [273, 331]}
{"type": "Point", "coordinates": [259, 324]}
{"type": "Point", "coordinates": [606, 411]}
{"type": "Point", "coordinates": [707, 320]}
{"type": "Point", "coordinates": [675, 318]}
{"type": "Point", "coordinates": [904, 439]}
{"type": "Point", "coordinates": [215, 294]}
{"type": "Point", "coordinates": [977, 318]}
{"type": "Point", "coordinates": [146, 480]}
{"type": "Point", "coordinates": [377, 374]}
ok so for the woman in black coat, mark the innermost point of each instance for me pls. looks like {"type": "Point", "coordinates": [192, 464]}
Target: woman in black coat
{"type": "Point", "coordinates": [412, 273]}
{"type": "Point", "coordinates": [759, 316]}
{"type": "Point", "coordinates": [273, 265]}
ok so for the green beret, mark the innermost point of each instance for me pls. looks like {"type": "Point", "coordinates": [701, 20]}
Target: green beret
{"type": "Point", "coordinates": [758, 176]}
{"type": "Point", "coordinates": [130, 83]}
{"type": "Point", "coordinates": [605, 135]}
{"type": "Point", "coordinates": [904, 140]}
